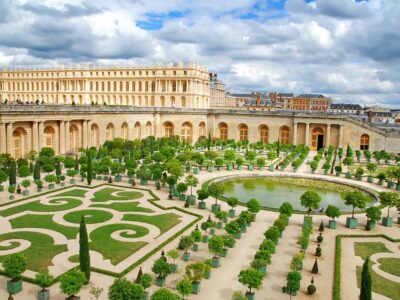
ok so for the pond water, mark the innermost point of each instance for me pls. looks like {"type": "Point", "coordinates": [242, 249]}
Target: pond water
{"type": "Point", "coordinates": [272, 192]}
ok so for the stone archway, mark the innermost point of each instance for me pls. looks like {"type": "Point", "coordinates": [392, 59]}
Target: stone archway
{"type": "Point", "coordinates": [19, 139]}
{"type": "Point", "coordinates": [317, 138]}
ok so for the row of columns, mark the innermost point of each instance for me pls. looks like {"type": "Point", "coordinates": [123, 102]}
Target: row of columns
{"type": "Point", "coordinates": [328, 134]}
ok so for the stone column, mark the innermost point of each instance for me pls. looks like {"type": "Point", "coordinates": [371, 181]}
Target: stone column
{"type": "Point", "coordinates": [295, 133]}
{"type": "Point", "coordinates": [62, 137]}
{"type": "Point", "coordinates": [67, 142]}
{"type": "Point", "coordinates": [157, 126]}
{"type": "Point", "coordinates": [3, 138]}
{"type": "Point", "coordinates": [35, 138]}
{"type": "Point", "coordinates": [341, 135]}
{"type": "Point", "coordinates": [90, 142]}
{"type": "Point", "coordinates": [307, 134]}
{"type": "Point", "coordinates": [10, 139]}
{"type": "Point", "coordinates": [84, 134]}
{"type": "Point", "coordinates": [328, 135]}
{"type": "Point", "coordinates": [41, 143]}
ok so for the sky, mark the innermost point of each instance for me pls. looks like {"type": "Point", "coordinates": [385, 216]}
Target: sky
{"type": "Point", "coordinates": [346, 49]}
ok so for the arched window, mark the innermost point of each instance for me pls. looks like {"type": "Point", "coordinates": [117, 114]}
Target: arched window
{"type": "Point", "coordinates": [149, 129]}
{"type": "Point", "coordinates": [110, 132]}
{"type": "Point", "coordinates": [49, 137]}
{"type": "Point", "coordinates": [95, 135]}
{"type": "Point", "coordinates": [19, 135]}
{"type": "Point", "coordinates": [137, 130]}
{"type": "Point", "coordinates": [223, 131]}
{"type": "Point", "coordinates": [124, 131]}
{"type": "Point", "coordinates": [243, 132]}
{"type": "Point", "coordinates": [202, 129]}
{"type": "Point", "coordinates": [168, 129]}
{"type": "Point", "coordinates": [263, 129]}
{"type": "Point", "coordinates": [284, 135]}
{"type": "Point", "coordinates": [186, 132]}
{"type": "Point", "coordinates": [364, 142]}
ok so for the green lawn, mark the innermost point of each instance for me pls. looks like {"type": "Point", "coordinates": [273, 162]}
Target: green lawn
{"type": "Point", "coordinates": [39, 207]}
{"type": "Point", "coordinates": [125, 207]}
{"type": "Point", "coordinates": [41, 252]}
{"type": "Point", "coordinates": [72, 193]}
{"type": "Point", "coordinates": [104, 195]}
{"type": "Point", "coordinates": [115, 250]}
{"type": "Point", "coordinates": [381, 285]}
{"type": "Point", "coordinates": [92, 216]}
{"type": "Point", "coordinates": [365, 249]}
{"type": "Point", "coordinates": [164, 222]}
{"type": "Point", "coordinates": [390, 265]}
{"type": "Point", "coordinates": [43, 221]}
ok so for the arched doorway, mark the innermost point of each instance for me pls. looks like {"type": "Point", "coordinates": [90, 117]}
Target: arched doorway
{"type": "Point", "coordinates": [202, 129]}
{"type": "Point", "coordinates": [149, 129]}
{"type": "Point", "coordinates": [243, 132]}
{"type": "Point", "coordinates": [124, 131]}
{"type": "Point", "coordinates": [19, 136]}
{"type": "Point", "coordinates": [74, 138]}
{"type": "Point", "coordinates": [137, 130]}
{"type": "Point", "coordinates": [186, 132]}
{"type": "Point", "coordinates": [263, 130]}
{"type": "Point", "coordinates": [284, 135]}
{"type": "Point", "coordinates": [223, 131]}
{"type": "Point", "coordinates": [168, 129]}
{"type": "Point", "coordinates": [95, 135]}
{"type": "Point", "coordinates": [110, 132]}
{"type": "Point", "coordinates": [317, 139]}
{"type": "Point", "coordinates": [49, 134]}
{"type": "Point", "coordinates": [364, 142]}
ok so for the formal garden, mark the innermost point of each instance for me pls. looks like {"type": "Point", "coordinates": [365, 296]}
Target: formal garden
{"type": "Point", "coordinates": [161, 219]}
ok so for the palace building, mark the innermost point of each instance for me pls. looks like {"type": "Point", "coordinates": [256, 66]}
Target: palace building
{"type": "Point", "coordinates": [70, 108]}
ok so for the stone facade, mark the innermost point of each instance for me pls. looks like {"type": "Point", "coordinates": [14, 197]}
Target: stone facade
{"type": "Point", "coordinates": [66, 128]}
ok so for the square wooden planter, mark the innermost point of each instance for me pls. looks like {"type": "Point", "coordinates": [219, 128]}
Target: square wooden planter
{"type": "Point", "coordinates": [388, 222]}
{"type": "Point", "coordinates": [351, 222]}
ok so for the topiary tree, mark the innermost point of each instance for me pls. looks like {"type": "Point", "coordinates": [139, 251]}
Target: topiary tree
{"type": "Point", "coordinates": [12, 176]}
{"type": "Point", "coordinates": [251, 278]}
{"type": "Point", "coordinates": [72, 282]}
{"type": "Point", "coordinates": [14, 265]}
{"type": "Point", "coordinates": [173, 254]}
{"type": "Point", "coordinates": [355, 199]}
{"type": "Point", "coordinates": [366, 282]}
{"type": "Point", "coordinates": [216, 245]}
{"type": "Point", "coordinates": [84, 257]}
{"type": "Point", "coordinates": [388, 199]}
{"type": "Point", "coordinates": [122, 288]}
{"type": "Point", "coordinates": [233, 228]}
{"type": "Point", "coordinates": [253, 206]}
{"type": "Point", "coordinates": [181, 188]}
{"type": "Point", "coordinates": [293, 282]}
{"type": "Point", "coordinates": [215, 189]}
{"type": "Point", "coordinates": [164, 294]}
{"type": "Point", "coordinates": [161, 268]}
{"type": "Point", "coordinates": [44, 279]}
{"type": "Point", "coordinates": [374, 214]}
{"type": "Point", "coordinates": [36, 170]}
{"type": "Point", "coordinates": [191, 181]}
{"type": "Point", "coordinates": [184, 287]}
{"type": "Point", "coordinates": [146, 280]}
{"type": "Point", "coordinates": [89, 169]}
{"type": "Point", "coordinates": [273, 234]}
{"type": "Point", "coordinates": [311, 200]}
{"type": "Point", "coordinates": [286, 208]}
{"type": "Point", "coordinates": [333, 212]}
{"type": "Point", "coordinates": [233, 202]}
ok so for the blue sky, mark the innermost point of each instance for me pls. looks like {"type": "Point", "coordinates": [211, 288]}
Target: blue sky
{"type": "Point", "coordinates": [347, 49]}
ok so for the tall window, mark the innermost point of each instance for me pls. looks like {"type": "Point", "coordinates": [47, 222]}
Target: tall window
{"type": "Point", "coordinates": [223, 131]}
{"type": "Point", "coordinates": [95, 135]}
{"type": "Point", "coordinates": [186, 132]}
{"type": "Point", "coordinates": [202, 129]}
{"type": "Point", "coordinates": [364, 142]}
{"type": "Point", "coordinates": [243, 132]}
{"type": "Point", "coordinates": [264, 134]}
{"type": "Point", "coordinates": [149, 129]}
{"type": "Point", "coordinates": [110, 132]}
{"type": "Point", "coordinates": [48, 136]}
{"type": "Point", "coordinates": [73, 138]}
{"type": "Point", "coordinates": [284, 135]}
{"type": "Point", "coordinates": [137, 130]}
{"type": "Point", "coordinates": [124, 131]}
{"type": "Point", "coordinates": [168, 129]}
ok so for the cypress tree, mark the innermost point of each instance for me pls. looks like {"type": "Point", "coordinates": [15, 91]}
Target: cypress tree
{"type": "Point", "coordinates": [84, 257]}
{"type": "Point", "coordinates": [36, 170]}
{"type": "Point", "coordinates": [366, 282]}
{"type": "Point", "coordinates": [315, 269]}
{"type": "Point", "coordinates": [209, 141]}
{"type": "Point", "coordinates": [12, 176]}
{"type": "Point", "coordinates": [58, 168]}
{"type": "Point", "coordinates": [89, 168]}
{"type": "Point", "coordinates": [139, 276]}
{"type": "Point", "coordinates": [278, 148]}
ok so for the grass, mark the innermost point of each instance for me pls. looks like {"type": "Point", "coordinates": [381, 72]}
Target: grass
{"type": "Point", "coordinates": [104, 195]}
{"type": "Point", "coordinates": [41, 252]}
{"type": "Point", "coordinates": [125, 207]}
{"type": "Point", "coordinates": [164, 222]}
{"type": "Point", "coordinates": [43, 221]}
{"type": "Point", "coordinates": [36, 206]}
{"type": "Point", "coordinates": [365, 249]}
{"type": "Point", "coordinates": [72, 193]}
{"type": "Point", "coordinates": [381, 285]}
{"type": "Point", "coordinates": [390, 265]}
{"type": "Point", "coordinates": [115, 250]}
{"type": "Point", "coordinates": [74, 258]}
{"type": "Point", "coordinates": [92, 216]}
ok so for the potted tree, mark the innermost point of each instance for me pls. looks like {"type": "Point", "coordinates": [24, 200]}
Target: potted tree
{"type": "Point", "coordinates": [164, 294]}
{"type": "Point", "coordinates": [297, 261]}
{"type": "Point", "coordinates": [293, 283]}
{"type": "Point", "coordinates": [311, 200]}
{"type": "Point", "coordinates": [182, 188]}
{"type": "Point", "coordinates": [260, 163]}
{"type": "Point", "coordinates": [268, 245]}
{"type": "Point", "coordinates": [253, 206]}
{"type": "Point", "coordinates": [202, 195]}
{"type": "Point", "coordinates": [239, 163]}
{"type": "Point", "coordinates": [11, 190]}
{"type": "Point", "coordinates": [191, 181]}
{"type": "Point", "coordinates": [173, 254]}
{"type": "Point", "coordinates": [273, 234]}
{"type": "Point", "coordinates": [196, 235]}
{"type": "Point", "coordinates": [195, 272]}
{"type": "Point", "coordinates": [286, 209]}
{"type": "Point", "coordinates": [326, 167]}
{"type": "Point", "coordinates": [271, 156]}
{"type": "Point", "coordinates": [50, 178]}
{"type": "Point", "coordinates": [14, 265]}
{"type": "Point", "coordinates": [185, 243]}
{"type": "Point", "coordinates": [122, 288]}
{"type": "Point", "coordinates": [162, 269]}
{"type": "Point", "coordinates": [71, 283]}
{"type": "Point", "coordinates": [332, 212]}
{"type": "Point", "coordinates": [234, 229]}
{"type": "Point", "coordinates": [26, 183]}
{"type": "Point", "coordinates": [184, 287]}
{"type": "Point", "coordinates": [146, 280]}
{"type": "Point", "coordinates": [359, 173]}
{"type": "Point", "coordinates": [374, 215]}
{"type": "Point", "coordinates": [251, 278]}
{"type": "Point", "coordinates": [229, 242]}
{"type": "Point", "coordinates": [39, 185]}
{"type": "Point", "coordinates": [388, 199]}
{"type": "Point", "coordinates": [338, 170]}
{"type": "Point", "coordinates": [355, 199]}
{"type": "Point", "coordinates": [371, 167]}
{"type": "Point", "coordinates": [216, 246]}
{"type": "Point", "coordinates": [381, 178]}
{"type": "Point", "coordinates": [215, 189]}
{"type": "Point", "coordinates": [313, 166]}
{"type": "Point", "coordinates": [221, 216]}
{"type": "Point", "coordinates": [171, 181]}
{"type": "Point", "coordinates": [348, 161]}
{"type": "Point", "coordinates": [232, 202]}
{"type": "Point", "coordinates": [229, 156]}
{"type": "Point", "coordinates": [44, 280]}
